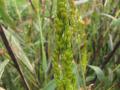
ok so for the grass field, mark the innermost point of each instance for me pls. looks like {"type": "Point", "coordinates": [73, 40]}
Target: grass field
{"type": "Point", "coordinates": [60, 45]}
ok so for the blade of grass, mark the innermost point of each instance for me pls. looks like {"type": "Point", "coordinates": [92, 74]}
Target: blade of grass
{"type": "Point", "coordinates": [2, 66]}
{"type": "Point", "coordinates": [11, 54]}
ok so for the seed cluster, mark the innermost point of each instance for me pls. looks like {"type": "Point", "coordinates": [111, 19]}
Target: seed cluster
{"type": "Point", "coordinates": [63, 57]}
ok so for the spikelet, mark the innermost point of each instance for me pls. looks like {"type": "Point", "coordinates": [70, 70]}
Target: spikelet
{"type": "Point", "coordinates": [63, 53]}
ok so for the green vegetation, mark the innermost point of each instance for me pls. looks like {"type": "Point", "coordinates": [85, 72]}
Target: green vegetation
{"type": "Point", "coordinates": [59, 45]}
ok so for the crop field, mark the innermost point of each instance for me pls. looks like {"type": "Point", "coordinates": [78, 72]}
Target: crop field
{"type": "Point", "coordinates": [59, 44]}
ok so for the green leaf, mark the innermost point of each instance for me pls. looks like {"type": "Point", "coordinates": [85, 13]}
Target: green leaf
{"type": "Point", "coordinates": [4, 15]}
{"type": "Point", "coordinates": [43, 57]}
{"type": "Point", "coordinates": [111, 42]}
{"type": "Point", "coordinates": [115, 22]}
{"type": "Point", "coordinates": [76, 74]}
{"type": "Point", "coordinates": [50, 86]}
{"type": "Point", "coordinates": [108, 15]}
{"type": "Point", "coordinates": [17, 49]}
{"type": "Point", "coordinates": [111, 74]}
{"type": "Point", "coordinates": [118, 73]}
{"type": "Point", "coordinates": [99, 72]}
{"type": "Point", "coordinates": [89, 78]}
{"type": "Point", "coordinates": [2, 67]}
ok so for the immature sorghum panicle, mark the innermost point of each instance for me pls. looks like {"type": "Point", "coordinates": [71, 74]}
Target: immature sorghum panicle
{"type": "Point", "coordinates": [63, 54]}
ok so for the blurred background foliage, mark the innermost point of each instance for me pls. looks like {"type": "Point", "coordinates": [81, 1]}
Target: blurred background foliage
{"type": "Point", "coordinates": [33, 29]}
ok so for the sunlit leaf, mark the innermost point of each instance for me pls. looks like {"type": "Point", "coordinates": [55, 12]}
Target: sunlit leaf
{"type": "Point", "coordinates": [17, 49]}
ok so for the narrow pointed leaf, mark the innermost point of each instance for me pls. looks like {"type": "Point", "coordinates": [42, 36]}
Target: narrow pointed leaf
{"type": "Point", "coordinates": [99, 72]}
{"type": "Point", "coordinates": [2, 67]}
